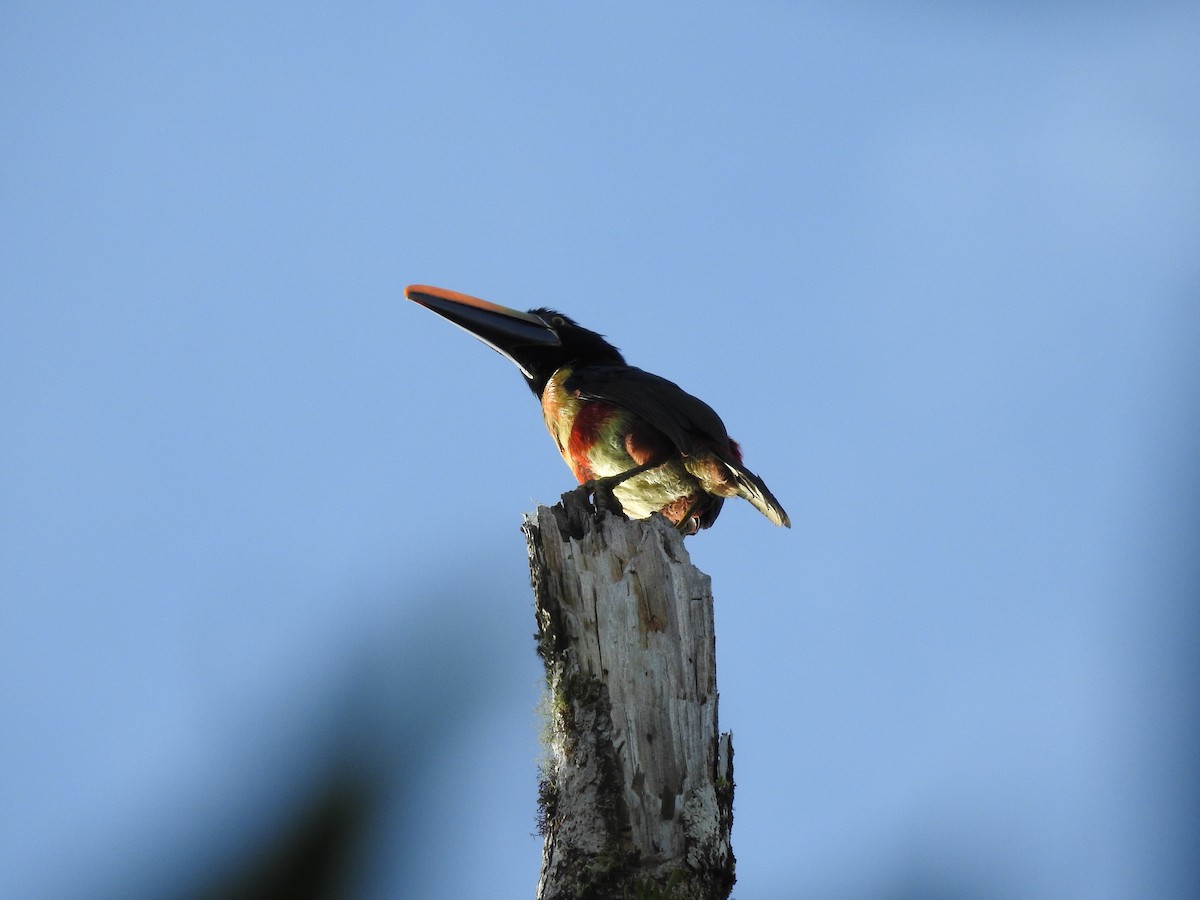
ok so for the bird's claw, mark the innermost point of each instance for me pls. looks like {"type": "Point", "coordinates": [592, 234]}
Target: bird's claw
{"type": "Point", "coordinates": [599, 491]}
{"type": "Point", "coordinates": [689, 523]}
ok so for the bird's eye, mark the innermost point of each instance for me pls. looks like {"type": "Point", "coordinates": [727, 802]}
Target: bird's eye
{"type": "Point", "coordinates": [558, 321]}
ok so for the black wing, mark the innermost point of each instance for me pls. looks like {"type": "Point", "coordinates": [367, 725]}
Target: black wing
{"type": "Point", "coordinates": [686, 421]}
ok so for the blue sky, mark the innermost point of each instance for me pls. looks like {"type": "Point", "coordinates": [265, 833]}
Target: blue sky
{"type": "Point", "coordinates": [936, 267]}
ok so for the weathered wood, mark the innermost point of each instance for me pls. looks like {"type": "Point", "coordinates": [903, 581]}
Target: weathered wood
{"type": "Point", "coordinates": [637, 791]}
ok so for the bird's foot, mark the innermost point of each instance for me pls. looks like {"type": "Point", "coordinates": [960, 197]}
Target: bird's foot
{"type": "Point", "coordinates": [689, 523]}
{"type": "Point", "coordinates": [600, 490]}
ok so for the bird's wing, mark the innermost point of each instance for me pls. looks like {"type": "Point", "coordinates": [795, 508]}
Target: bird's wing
{"type": "Point", "coordinates": [685, 420]}
{"type": "Point", "coordinates": [688, 422]}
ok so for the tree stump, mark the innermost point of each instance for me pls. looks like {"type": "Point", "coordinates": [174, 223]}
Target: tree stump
{"type": "Point", "coordinates": [636, 796]}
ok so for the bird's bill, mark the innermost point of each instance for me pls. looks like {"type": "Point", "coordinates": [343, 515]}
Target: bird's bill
{"type": "Point", "coordinates": [504, 330]}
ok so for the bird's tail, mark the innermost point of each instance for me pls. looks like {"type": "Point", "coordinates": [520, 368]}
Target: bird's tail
{"type": "Point", "coordinates": [751, 487]}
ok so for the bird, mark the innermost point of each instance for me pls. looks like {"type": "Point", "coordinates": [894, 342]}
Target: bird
{"type": "Point", "coordinates": [626, 434]}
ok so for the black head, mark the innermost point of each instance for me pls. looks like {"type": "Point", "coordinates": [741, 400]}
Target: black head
{"type": "Point", "coordinates": [576, 344]}
{"type": "Point", "coordinates": [540, 341]}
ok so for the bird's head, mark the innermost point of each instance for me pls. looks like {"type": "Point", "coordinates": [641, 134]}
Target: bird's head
{"type": "Point", "coordinates": [539, 341]}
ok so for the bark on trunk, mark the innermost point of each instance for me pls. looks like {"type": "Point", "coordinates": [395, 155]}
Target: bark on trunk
{"type": "Point", "coordinates": [636, 796]}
